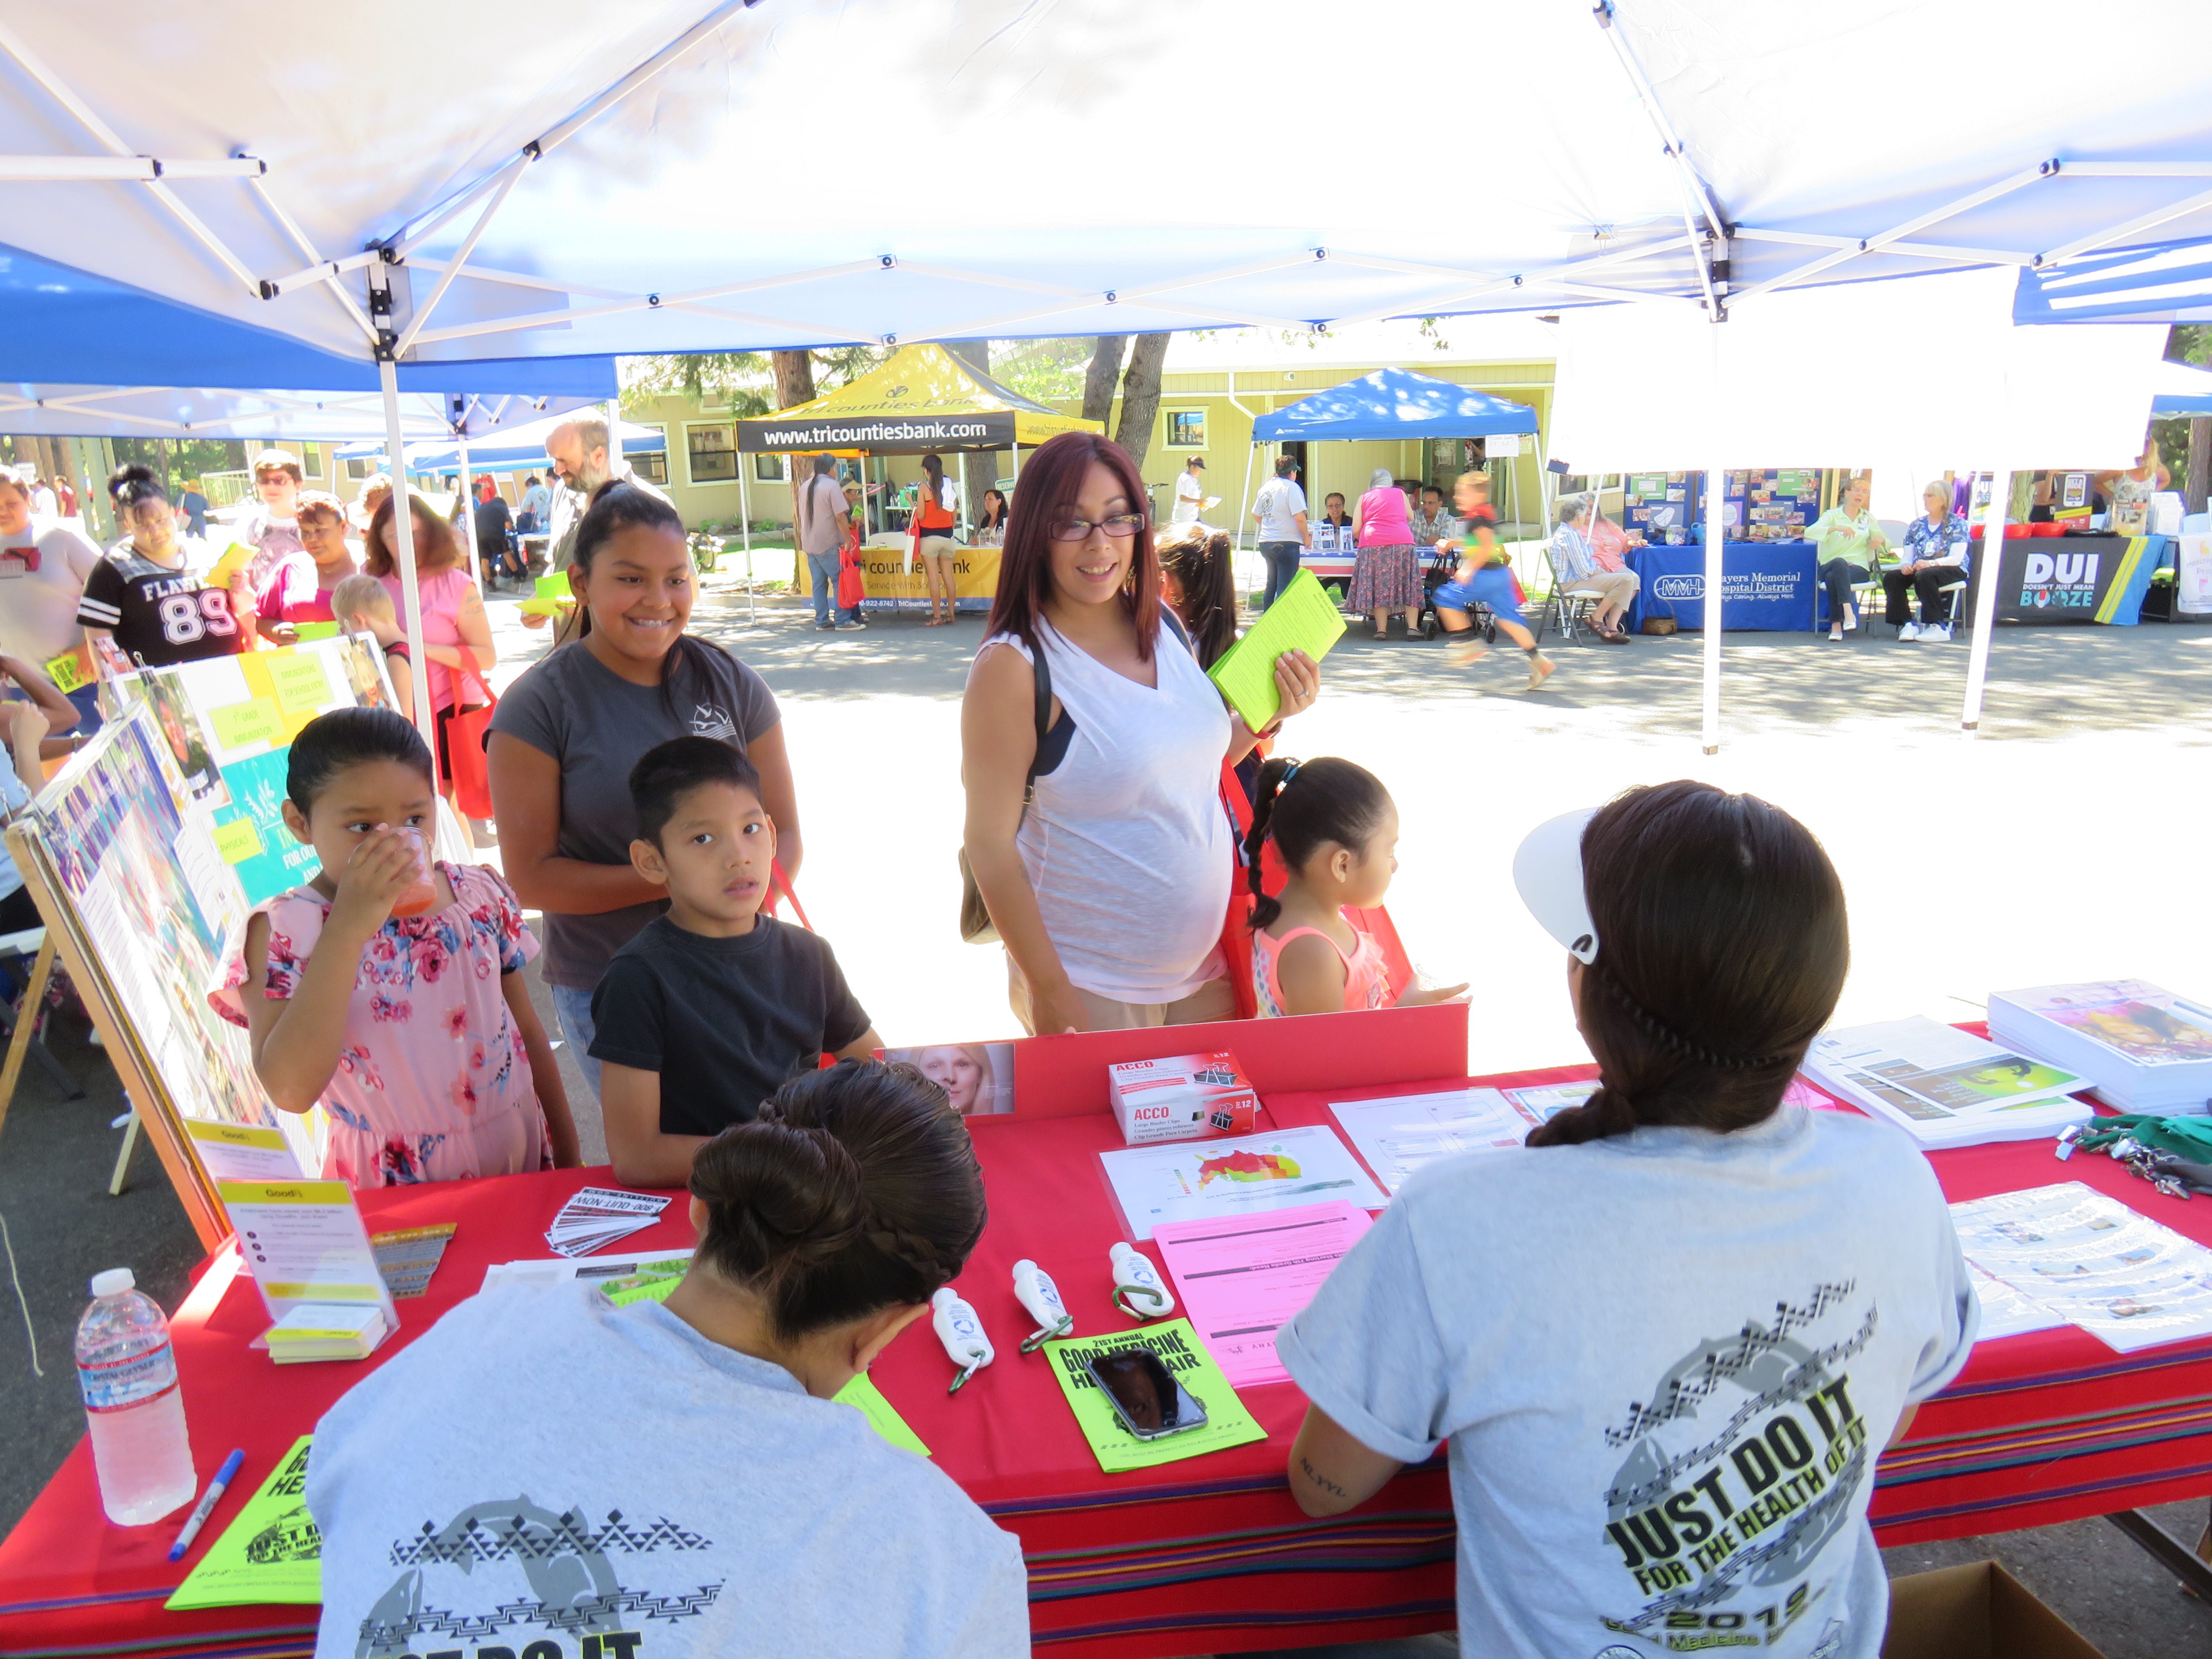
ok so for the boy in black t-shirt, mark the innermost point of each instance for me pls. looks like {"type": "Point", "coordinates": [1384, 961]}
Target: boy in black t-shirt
{"type": "Point", "coordinates": [707, 1012]}
{"type": "Point", "coordinates": [145, 599]}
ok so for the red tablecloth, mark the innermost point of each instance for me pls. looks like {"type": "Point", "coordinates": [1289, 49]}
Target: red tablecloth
{"type": "Point", "coordinates": [1209, 1555]}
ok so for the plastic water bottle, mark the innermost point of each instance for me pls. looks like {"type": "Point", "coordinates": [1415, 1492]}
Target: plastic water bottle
{"type": "Point", "coordinates": [132, 1405]}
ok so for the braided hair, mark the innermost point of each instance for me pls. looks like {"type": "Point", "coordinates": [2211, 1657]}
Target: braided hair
{"type": "Point", "coordinates": [855, 1189]}
{"type": "Point", "coordinates": [1303, 807]}
{"type": "Point", "coordinates": [1723, 947]}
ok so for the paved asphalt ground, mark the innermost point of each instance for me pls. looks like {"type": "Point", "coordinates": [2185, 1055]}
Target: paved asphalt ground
{"type": "Point", "coordinates": [2060, 845]}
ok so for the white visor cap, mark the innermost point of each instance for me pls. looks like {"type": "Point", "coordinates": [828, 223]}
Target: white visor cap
{"type": "Point", "coordinates": [1547, 870]}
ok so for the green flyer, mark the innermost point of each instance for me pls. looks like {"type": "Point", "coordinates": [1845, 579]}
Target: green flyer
{"type": "Point", "coordinates": [652, 1281]}
{"type": "Point", "coordinates": [271, 1553]}
{"type": "Point", "coordinates": [1227, 1423]}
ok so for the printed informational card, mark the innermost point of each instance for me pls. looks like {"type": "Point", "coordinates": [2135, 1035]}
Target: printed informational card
{"type": "Point", "coordinates": [2005, 1311]}
{"type": "Point", "coordinates": [1241, 1280]}
{"type": "Point", "coordinates": [271, 1552]}
{"type": "Point", "coordinates": [1404, 1132]}
{"type": "Point", "coordinates": [1548, 1100]}
{"type": "Point", "coordinates": [2094, 1262]}
{"type": "Point", "coordinates": [1238, 1175]}
{"type": "Point", "coordinates": [1227, 1423]}
{"type": "Point", "coordinates": [599, 1216]}
{"type": "Point", "coordinates": [303, 1241]}
{"type": "Point", "coordinates": [239, 1152]}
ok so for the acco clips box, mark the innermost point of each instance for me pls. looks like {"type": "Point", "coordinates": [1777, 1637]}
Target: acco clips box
{"type": "Point", "coordinates": [1975, 1611]}
{"type": "Point", "coordinates": [1181, 1097]}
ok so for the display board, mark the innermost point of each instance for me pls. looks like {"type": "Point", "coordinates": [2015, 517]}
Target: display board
{"type": "Point", "coordinates": [2075, 578]}
{"type": "Point", "coordinates": [145, 856]}
{"type": "Point", "coordinates": [1659, 508]}
{"type": "Point", "coordinates": [1773, 505]}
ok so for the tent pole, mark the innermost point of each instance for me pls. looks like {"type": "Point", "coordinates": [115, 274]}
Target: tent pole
{"type": "Point", "coordinates": [1985, 593]}
{"type": "Point", "coordinates": [614, 438]}
{"type": "Point", "coordinates": [469, 519]}
{"type": "Point", "coordinates": [1245, 513]}
{"type": "Point", "coordinates": [1715, 514]}
{"type": "Point", "coordinates": [746, 529]}
{"type": "Point", "coordinates": [410, 591]}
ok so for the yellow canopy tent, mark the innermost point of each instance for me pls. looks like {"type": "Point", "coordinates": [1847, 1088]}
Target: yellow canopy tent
{"type": "Point", "coordinates": [923, 399]}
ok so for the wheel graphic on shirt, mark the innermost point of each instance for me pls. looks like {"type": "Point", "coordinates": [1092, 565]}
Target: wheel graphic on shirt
{"type": "Point", "coordinates": [1741, 1465]}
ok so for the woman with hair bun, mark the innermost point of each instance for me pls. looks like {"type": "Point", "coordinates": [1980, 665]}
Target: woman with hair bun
{"type": "Point", "coordinates": [685, 1462]}
{"type": "Point", "coordinates": [1668, 1345]}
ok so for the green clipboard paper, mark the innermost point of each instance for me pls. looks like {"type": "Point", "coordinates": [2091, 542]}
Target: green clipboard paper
{"type": "Point", "coordinates": [1227, 1423]}
{"type": "Point", "coordinates": [1302, 618]}
{"type": "Point", "coordinates": [653, 1282]}
{"type": "Point", "coordinates": [271, 1552]}
{"type": "Point", "coordinates": [551, 596]}
{"type": "Point", "coordinates": [314, 630]}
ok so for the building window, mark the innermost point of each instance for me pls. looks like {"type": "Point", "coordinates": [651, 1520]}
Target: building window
{"type": "Point", "coordinates": [360, 466]}
{"type": "Point", "coordinates": [713, 457]}
{"type": "Point", "coordinates": [311, 460]}
{"type": "Point", "coordinates": [1185, 428]}
{"type": "Point", "coordinates": [651, 466]}
{"type": "Point", "coordinates": [769, 469]}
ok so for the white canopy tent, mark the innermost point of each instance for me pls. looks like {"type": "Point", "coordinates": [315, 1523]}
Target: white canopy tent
{"type": "Point", "coordinates": [1660, 149]}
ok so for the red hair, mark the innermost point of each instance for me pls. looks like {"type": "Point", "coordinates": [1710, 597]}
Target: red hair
{"type": "Point", "coordinates": [1051, 480]}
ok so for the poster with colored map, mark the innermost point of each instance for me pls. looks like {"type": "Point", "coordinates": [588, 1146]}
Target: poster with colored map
{"type": "Point", "coordinates": [1242, 1174]}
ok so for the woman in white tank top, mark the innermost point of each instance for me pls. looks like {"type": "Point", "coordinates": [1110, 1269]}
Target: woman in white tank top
{"type": "Point", "coordinates": [1109, 894]}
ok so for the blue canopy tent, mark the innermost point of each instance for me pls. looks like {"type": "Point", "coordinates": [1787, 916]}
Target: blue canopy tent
{"type": "Point", "coordinates": [2181, 389]}
{"type": "Point", "coordinates": [1389, 405]}
{"type": "Point", "coordinates": [2157, 283]}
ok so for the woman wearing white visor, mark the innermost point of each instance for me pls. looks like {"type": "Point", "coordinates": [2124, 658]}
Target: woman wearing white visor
{"type": "Point", "coordinates": [1667, 1344]}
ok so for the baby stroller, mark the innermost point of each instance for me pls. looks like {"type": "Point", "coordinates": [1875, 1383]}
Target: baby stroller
{"type": "Point", "coordinates": [1438, 568]}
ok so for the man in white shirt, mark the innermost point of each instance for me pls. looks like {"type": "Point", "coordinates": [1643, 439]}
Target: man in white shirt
{"type": "Point", "coordinates": [1285, 535]}
{"type": "Point", "coordinates": [1190, 491]}
{"type": "Point", "coordinates": [43, 565]}
{"type": "Point", "coordinates": [825, 521]}
{"type": "Point", "coordinates": [42, 497]}
{"type": "Point", "coordinates": [537, 502]}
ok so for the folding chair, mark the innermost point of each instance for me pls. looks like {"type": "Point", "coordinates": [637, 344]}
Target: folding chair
{"type": "Point", "coordinates": [1565, 607]}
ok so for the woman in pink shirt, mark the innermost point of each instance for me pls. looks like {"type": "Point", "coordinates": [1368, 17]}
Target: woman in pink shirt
{"type": "Point", "coordinates": [1387, 576]}
{"type": "Point", "coordinates": [1388, 572]}
{"type": "Point", "coordinates": [456, 633]}
{"type": "Point", "coordinates": [299, 589]}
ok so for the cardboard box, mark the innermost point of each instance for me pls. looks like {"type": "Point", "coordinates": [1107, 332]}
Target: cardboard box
{"type": "Point", "coordinates": [1181, 1097]}
{"type": "Point", "coordinates": [1975, 1611]}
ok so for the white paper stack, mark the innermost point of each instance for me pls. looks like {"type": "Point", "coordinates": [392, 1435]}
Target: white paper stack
{"type": "Point", "coordinates": [327, 1330]}
{"type": "Point", "coordinates": [2146, 1049]}
{"type": "Point", "coordinates": [1943, 1086]}
{"type": "Point", "coordinates": [599, 1216]}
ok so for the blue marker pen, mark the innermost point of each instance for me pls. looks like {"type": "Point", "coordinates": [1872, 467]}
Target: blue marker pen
{"type": "Point", "coordinates": [205, 1507]}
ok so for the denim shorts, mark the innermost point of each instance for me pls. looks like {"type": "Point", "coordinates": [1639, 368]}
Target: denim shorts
{"type": "Point", "coordinates": [1491, 586]}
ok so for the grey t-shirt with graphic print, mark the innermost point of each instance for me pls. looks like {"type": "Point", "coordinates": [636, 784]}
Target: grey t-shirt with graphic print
{"type": "Point", "coordinates": [1666, 1363]}
{"type": "Point", "coordinates": [599, 725]}
{"type": "Point", "coordinates": [544, 1470]}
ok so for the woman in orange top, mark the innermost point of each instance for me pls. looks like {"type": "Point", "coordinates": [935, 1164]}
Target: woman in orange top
{"type": "Point", "coordinates": [933, 522]}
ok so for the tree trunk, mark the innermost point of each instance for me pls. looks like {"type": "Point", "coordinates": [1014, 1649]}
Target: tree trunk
{"type": "Point", "coordinates": [1100, 378]}
{"type": "Point", "coordinates": [794, 384]}
{"type": "Point", "coordinates": [979, 469]}
{"type": "Point", "coordinates": [2200, 464]}
{"type": "Point", "coordinates": [1140, 396]}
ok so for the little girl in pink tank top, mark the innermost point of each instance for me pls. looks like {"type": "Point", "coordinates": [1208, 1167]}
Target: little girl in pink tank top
{"type": "Point", "coordinates": [1337, 830]}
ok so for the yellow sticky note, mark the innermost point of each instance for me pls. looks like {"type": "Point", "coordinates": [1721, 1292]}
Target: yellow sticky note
{"type": "Point", "coordinates": [237, 841]}
{"type": "Point", "coordinates": [244, 723]}
{"type": "Point", "coordinates": [298, 677]}
{"type": "Point", "coordinates": [68, 672]}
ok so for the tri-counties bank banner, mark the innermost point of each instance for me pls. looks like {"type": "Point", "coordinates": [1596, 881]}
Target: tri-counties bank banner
{"type": "Point", "coordinates": [888, 433]}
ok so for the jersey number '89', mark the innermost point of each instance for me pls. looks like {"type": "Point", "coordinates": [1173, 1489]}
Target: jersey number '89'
{"type": "Point", "coordinates": [189, 616]}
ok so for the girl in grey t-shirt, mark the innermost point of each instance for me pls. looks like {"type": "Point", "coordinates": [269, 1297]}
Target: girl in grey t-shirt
{"type": "Point", "coordinates": [684, 1464]}
{"type": "Point", "coordinates": [567, 733]}
{"type": "Point", "coordinates": [1668, 1342]}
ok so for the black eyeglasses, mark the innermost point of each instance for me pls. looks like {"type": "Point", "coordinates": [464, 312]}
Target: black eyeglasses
{"type": "Point", "coordinates": [1120, 526]}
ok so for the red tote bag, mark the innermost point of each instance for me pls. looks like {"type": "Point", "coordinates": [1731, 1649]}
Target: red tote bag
{"type": "Point", "coordinates": [466, 730]}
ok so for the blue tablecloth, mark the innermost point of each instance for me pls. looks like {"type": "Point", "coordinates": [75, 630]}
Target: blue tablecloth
{"type": "Point", "coordinates": [1769, 585]}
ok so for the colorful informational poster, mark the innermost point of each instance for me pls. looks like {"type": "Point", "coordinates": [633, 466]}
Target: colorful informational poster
{"type": "Point", "coordinates": [267, 858]}
{"type": "Point", "coordinates": [271, 1552]}
{"type": "Point", "coordinates": [1227, 1423]}
{"type": "Point", "coordinates": [977, 1078]}
{"type": "Point", "coordinates": [1241, 1280]}
{"type": "Point", "coordinates": [1403, 1132]}
{"type": "Point", "coordinates": [1236, 1175]}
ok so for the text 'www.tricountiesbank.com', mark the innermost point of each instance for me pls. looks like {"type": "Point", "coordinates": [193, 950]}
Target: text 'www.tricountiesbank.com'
{"type": "Point", "coordinates": [815, 437]}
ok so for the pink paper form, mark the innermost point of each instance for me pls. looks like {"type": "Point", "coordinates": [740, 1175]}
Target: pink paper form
{"type": "Point", "coordinates": [1242, 1279]}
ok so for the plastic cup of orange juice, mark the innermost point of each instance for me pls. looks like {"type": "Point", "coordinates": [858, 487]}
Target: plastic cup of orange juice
{"type": "Point", "coordinates": [421, 894]}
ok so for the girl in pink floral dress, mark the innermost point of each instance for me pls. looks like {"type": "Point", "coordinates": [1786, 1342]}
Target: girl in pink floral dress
{"type": "Point", "coordinates": [413, 1031]}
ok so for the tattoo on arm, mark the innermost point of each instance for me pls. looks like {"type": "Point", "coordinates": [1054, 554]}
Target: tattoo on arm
{"type": "Point", "coordinates": [1320, 1480]}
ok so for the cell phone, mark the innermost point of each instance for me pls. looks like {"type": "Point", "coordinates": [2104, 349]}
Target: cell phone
{"type": "Point", "coordinates": [1145, 1393]}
